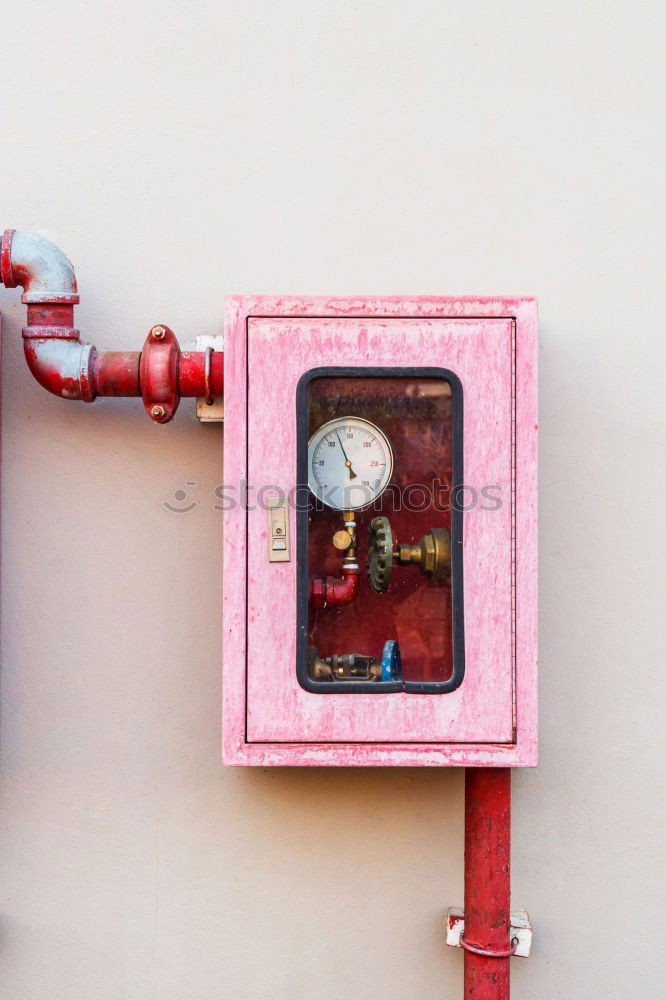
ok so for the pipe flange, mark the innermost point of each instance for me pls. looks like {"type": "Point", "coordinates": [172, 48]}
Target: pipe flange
{"type": "Point", "coordinates": [380, 554]}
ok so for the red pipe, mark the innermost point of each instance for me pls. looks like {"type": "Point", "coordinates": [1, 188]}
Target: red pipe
{"type": "Point", "coordinates": [116, 373]}
{"type": "Point", "coordinates": [192, 374]}
{"type": "Point", "coordinates": [69, 368]}
{"type": "Point", "coordinates": [331, 592]}
{"type": "Point", "coordinates": [487, 882]}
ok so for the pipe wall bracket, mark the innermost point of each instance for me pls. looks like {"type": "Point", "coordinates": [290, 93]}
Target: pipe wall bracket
{"type": "Point", "coordinates": [210, 408]}
{"type": "Point", "coordinates": [520, 934]}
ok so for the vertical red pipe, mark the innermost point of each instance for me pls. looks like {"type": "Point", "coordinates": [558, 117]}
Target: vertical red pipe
{"type": "Point", "coordinates": [487, 881]}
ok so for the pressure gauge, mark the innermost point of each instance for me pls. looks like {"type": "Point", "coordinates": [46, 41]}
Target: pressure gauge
{"type": "Point", "coordinates": [350, 463]}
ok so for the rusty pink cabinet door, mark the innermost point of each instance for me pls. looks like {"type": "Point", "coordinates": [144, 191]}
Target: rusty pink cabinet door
{"type": "Point", "coordinates": [490, 717]}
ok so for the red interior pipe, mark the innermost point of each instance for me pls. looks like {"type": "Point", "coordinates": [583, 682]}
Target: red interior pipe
{"type": "Point", "coordinates": [487, 882]}
{"type": "Point", "coordinates": [330, 591]}
{"type": "Point", "coordinates": [67, 367]}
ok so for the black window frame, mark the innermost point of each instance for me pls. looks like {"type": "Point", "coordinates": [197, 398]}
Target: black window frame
{"type": "Point", "coordinates": [304, 498]}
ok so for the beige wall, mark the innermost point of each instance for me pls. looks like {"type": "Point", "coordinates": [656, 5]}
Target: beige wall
{"type": "Point", "coordinates": [180, 151]}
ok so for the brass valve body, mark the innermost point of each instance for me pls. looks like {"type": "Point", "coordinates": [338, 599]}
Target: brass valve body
{"type": "Point", "coordinates": [344, 540]}
{"type": "Point", "coordinates": [432, 554]}
{"type": "Point", "coordinates": [343, 666]}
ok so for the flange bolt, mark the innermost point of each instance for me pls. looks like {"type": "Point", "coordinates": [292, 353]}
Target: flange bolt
{"type": "Point", "coordinates": [158, 332]}
{"type": "Point", "coordinates": [157, 412]}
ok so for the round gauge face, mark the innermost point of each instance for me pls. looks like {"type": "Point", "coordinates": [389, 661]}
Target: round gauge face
{"type": "Point", "coordinates": [350, 463]}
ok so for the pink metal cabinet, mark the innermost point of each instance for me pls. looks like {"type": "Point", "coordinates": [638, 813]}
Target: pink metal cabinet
{"type": "Point", "coordinates": [490, 717]}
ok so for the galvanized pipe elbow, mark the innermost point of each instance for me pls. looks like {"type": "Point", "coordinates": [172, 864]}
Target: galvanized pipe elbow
{"type": "Point", "coordinates": [55, 355]}
{"type": "Point", "coordinates": [64, 367]}
{"type": "Point", "coordinates": [39, 266]}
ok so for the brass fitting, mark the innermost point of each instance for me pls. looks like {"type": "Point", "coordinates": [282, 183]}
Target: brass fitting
{"type": "Point", "coordinates": [350, 550]}
{"type": "Point", "coordinates": [432, 554]}
{"type": "Point", "coordinates": [343, 667]}
{"type": "Point", "coordinates": [342, 540]}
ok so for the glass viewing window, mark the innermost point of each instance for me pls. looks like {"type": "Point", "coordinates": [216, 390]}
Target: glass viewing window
{"type": "Point", "coordinates": [379, 537]}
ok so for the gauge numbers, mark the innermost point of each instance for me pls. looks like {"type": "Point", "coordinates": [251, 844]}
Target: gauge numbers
{"type": "Point", "coordinates": [350, 463]}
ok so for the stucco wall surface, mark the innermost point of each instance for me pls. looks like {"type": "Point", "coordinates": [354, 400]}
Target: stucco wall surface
{"type": "Point", "coordinates": [178, 152]}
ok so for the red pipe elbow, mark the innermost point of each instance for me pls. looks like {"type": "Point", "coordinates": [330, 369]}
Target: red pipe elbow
{"type": "Point", "coordinates": [331, 592]}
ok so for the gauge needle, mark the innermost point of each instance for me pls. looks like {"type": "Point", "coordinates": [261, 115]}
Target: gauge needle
{"type": "Point", "coordinates": [352, 474]}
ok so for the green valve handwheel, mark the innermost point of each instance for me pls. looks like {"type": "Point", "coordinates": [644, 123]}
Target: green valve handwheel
{"type": "Point", "coordinates": [380, 554]}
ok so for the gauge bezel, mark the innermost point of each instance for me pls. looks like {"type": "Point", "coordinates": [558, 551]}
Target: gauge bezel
{"type": "Point", "coordinates": [320, 433]}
